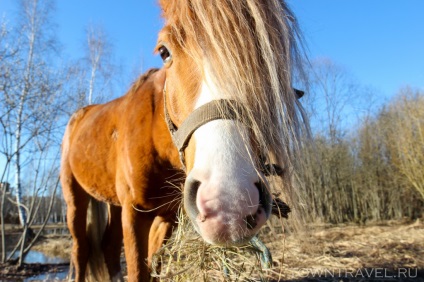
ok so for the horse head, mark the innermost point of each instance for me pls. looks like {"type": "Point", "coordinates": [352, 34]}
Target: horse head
{"type": "Point", "coordinates": [227, 87]}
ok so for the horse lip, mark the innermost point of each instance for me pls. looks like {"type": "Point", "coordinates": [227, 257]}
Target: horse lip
{"type": "Point", "coordinates": [264, 206]}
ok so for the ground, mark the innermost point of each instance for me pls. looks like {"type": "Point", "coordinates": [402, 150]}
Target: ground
{"type": "Point", "coordinates": [390, 251]}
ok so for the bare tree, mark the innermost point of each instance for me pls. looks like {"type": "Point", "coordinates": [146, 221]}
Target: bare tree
{"type": "Point", "coordinates": [405, 136]}
{"type": "Point", "coordinates": [352, 171]}
{"type": "Point", "coordinates": [334, 95]}
{"type": "Point", "coordinates": [388, 151]}
{"type": "Point", "coordinates": [99, 63]}
{"type": "Point", "coordinates": [328, 163]}
{"type": "Point", "coordinates": [91, 78]}
{"type": "Point", "coordinates": [30, 83]}
{"type": "Point", "coordinates": [30, 88]}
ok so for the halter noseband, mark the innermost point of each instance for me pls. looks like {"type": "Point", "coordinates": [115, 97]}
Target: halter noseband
{"type": "Point", "coordinates": [214, 110]}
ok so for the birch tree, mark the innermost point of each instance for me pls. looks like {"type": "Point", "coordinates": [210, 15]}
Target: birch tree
{"type": "Point", "coordinates": [100, 68]}
{"type": "Point", "coordinates": [28, 87]}
{"type": "Point", "coordinates": [30, 91]}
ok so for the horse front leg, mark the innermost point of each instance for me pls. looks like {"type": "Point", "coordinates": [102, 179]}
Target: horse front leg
{"type": "Point", "coordinates": [136, 228]}
{"type": "Point", "coordinates": [161, 229]}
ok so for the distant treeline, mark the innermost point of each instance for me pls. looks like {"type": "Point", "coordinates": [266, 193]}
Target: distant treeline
{"type": "Point", "coordinates": [40, 206]}
{"type": "Point", "coordinates": [374, 173]}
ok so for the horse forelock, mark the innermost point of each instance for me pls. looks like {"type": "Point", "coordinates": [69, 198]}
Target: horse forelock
{"type": "Point", "coordinates": [249, 48]}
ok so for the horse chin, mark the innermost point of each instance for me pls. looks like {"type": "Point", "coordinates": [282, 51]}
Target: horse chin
{"type": "Point", "coordinates": [227, 230]}
{"type": "Point", "coordinates": [227, 227]}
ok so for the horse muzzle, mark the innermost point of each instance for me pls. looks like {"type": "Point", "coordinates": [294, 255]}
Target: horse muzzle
{"type": "Point", "coordinates": [225, 215]}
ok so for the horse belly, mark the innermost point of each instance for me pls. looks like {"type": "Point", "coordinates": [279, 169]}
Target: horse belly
{"type": "Point", "coordinates": [92, 160]}
{"type": "Point", "coordinates": [92, 175]}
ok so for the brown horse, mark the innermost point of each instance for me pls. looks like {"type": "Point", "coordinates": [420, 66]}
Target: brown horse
{"type": "Point", "coordinates": [220, 109]}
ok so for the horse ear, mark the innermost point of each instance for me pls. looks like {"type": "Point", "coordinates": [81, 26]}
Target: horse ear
{"type": "Point", "coordinates": [159, 80]}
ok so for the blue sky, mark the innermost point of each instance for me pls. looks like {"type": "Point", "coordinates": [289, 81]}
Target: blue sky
{"type": "Point", "coordinates": [381, 42]}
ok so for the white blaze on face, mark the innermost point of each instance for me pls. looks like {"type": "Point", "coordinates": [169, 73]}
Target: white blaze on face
{"type": "Point", "coordinates": [222, 164]}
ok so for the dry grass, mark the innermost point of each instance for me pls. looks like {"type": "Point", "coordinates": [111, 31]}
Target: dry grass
{"type": "Point", "coordinates": [55, 246]}
{"type": "Point", "coordinates": [339, 249]}
{"type": "Point", "coordinates": [186, 257]}
{"type": "Point", "coordinates": [343, 251]}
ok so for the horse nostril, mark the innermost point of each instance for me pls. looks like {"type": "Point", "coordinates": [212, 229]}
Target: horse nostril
{"type": "Point", "coordinates": [251, 221]}
{"type": "Point", "coordinates": [190, 194]}
{"type": "Point", "coordinates": [191, 187]}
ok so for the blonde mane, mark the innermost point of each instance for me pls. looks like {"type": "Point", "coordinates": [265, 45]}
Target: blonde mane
{"type": "Point", "coordinates": [250, 47]}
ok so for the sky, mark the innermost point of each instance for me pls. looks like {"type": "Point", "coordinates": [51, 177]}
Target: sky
{"type": "Point", "coordinates": [380, 42]}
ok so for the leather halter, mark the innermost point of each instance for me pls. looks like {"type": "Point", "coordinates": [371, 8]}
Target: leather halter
{"type": "Point", "coordinates": [214, 110]}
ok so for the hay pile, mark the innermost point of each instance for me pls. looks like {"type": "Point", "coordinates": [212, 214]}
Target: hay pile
{"type": "Point", "coordinates": [341, 249]}
{"type": "Point", "coordinates": [186, 257]}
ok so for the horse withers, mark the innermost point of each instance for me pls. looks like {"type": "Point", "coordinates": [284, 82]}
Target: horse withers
{"type": "Point", "coordinates": [220, 109]}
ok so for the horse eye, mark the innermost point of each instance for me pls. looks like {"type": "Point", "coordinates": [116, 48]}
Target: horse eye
{"type": "Point", "coordinates": [165, 54]}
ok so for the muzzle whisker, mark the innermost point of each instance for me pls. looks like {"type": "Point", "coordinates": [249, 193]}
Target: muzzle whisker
{"type": "Point", "coordinates": [158, 207]}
